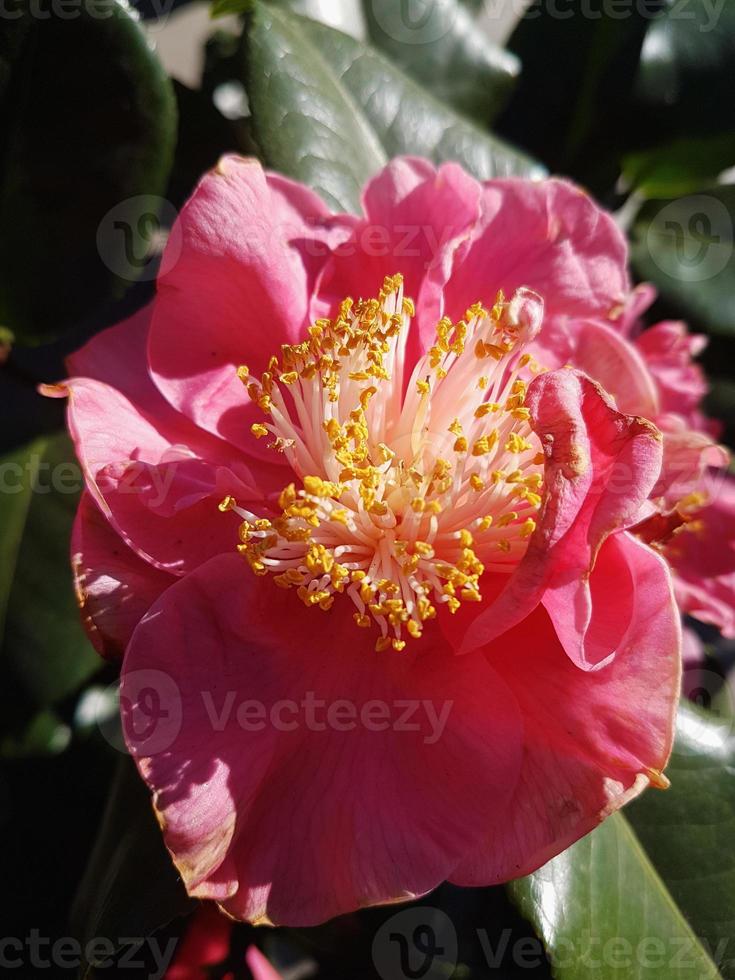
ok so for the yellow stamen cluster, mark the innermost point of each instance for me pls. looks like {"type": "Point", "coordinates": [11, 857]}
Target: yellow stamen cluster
{"type": "Point", "coordinates": [407, 489]}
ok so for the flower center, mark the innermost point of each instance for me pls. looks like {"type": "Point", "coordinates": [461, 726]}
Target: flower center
{"type": "Point", "coordinates": [407, 489]}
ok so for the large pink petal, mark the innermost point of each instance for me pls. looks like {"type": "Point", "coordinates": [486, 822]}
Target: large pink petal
{"type": "Point", "coordinates": [549, 236]}
{"type": "Point", "coordinates": [600, 468]}
{"type": "Point", "coordinates": [238, 289]}
{"type": "Point", "coordinates": [291, 822]}
{"type": "Point", "coordinates": [702, 555]}
{"type": "Point", "coordinates": [161, 498]}
{"type": "Point", "coordinates": [593, 740]}
{"type": "Point", "coordinates": [114, 586]}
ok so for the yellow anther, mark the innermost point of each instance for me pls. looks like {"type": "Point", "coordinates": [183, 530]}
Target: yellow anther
{"type": "Point", "coordinates": [477, 483]}
{"type": "Point", "coordinates": [465, 538]}
{"type": "Point", "coordinates": [258, 430]}
{"type": "Point", "coordinates": [227, 504]}
{"type": "Point", "coordinates": [527, 528]}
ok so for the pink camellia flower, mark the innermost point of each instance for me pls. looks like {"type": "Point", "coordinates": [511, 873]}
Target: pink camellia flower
{"type": "Point", "coordinates": [367, 541]}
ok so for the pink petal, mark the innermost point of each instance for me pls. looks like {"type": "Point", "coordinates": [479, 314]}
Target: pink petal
{"type": "Point", "coordinates": [688, 455]}
{"type": "Point", "coordinates": [161, 498]}
{"type": "Point", "coordinates": [702, 556]}
{"type": "Point", "coordinates": [206, 944]}
{"type": "Point", "coordinates": [669, 351]}
{"type": "Point", "coordinates": [259, 966]}
{"type": "Point", "coordinates": [237, 291]}
{"type": "Point", "coordinates": [301, 825]}
{"type": "Point", "coordinates": [115, 587]}
{"type": "Point", "coordinates": [416, 220]}
{"type": "Point", "coordinates": [600, 468]}
{"type": "Point", "coordinates": [593, 740]}
{"type": "Point", "coordinates": [613, 362]}
{"type": "Point", "coordinates": [549, 236]}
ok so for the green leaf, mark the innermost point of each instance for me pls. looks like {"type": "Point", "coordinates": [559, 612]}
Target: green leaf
{"type": "Point", "coordinates": [570, 107]}
{"type": "Point", "coordinates": [687, 832]}
{"type": "Point", "coordinates": [651, 892]}
{"type": "Point", "coordinates": [684, 137]}
{"type": "Point", "coordinates": [602, 911]}
{"type": "Point", "coordinates": [130, 886]}
{"type": "Point", "coordinates": [442, 48]}
{"type": "Point", "coordinates": [44, 646]}
{"type": "Point", "coordinates": [685, 247]}
{"type": "Point", "coordinates": [17, 472]}
{"type": "Point", "coordinates": [328, 110]}
{"type": "Point", "coordinates": [306, 122]}
{"type": "Point", "coordinates": [89, 126]}
{"type": "Point", "coordinates": [45, 734]}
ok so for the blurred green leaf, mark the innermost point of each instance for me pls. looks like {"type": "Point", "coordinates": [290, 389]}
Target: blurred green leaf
{"type": "Point", "coordinates": [44, 734]}
{"type": "Point", "coordinates": [650, 893]}
{"type": "Point", "coordinates": [328, 110]}
{"type": "Point", "coordinates": [682, 119]}
{"type": "Point", "coordinates": [720, 404]}
{"type": "Point", "coordinates": [442, 48]}
{"type": "Point", "coordinates": [685, 247]}
{"type": "Point", "coordinates": [687, 832]}
{"type": "Point", "coordinates": [680, 167]}
{"type": "Point", "coordinates": [570, 106]}
{"type": "Point", "coordinates": [130, 886]}
{"type": "Point", "coordinates": [44, 645]}
{"type": "Point", "coordinates": [88, 125]}
{"type": "Point", "coordinates": [17, 472]}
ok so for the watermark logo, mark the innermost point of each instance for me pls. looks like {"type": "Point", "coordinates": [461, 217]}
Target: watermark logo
{"type": "Point", "coordinates": [691, 240]}
{"type": "Point", "coordinates": [416, 944]}
{"type": "Point", "coordinates": [132, 235]}
{"type": "Point", "coordinates": [150, 702]}
{"type": "Point", "coordinates": [416, 21]}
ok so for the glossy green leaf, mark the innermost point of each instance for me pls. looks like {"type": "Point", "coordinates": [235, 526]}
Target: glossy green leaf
{"type": "Point", "coordinates": [651, 892]}
{"type": "Point", "coordinates": [306, 121]}
{"type": "Point", "coordinates": [688, 831]}
{"type": "Point", "coordinates": [686, 248]}
{"type": "Point", "coordinates": [441, 47]}
{"type": "Point", "coordinates": [603, 912]}
{"type": "Point", "coordinates": [328, 110]}
{"type": "Point", "coordinates": [130, 886]}
{"type": "Point", "coordinates": [44, 645]}
{"type": "Point", "coordinates": [85, 150]}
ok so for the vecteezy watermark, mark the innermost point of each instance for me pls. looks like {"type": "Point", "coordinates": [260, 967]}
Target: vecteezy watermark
{"type": "Point", "coordinates": [43, 10]}
{"type": "Point", "coordinates": [691, 239]}
{"type": "Point", "coordinates": [421, 942]}
{"type": "Point", "coordinates": [132, 235]}
{"type": "Point", "coordinates": [154, 713]}
{"type": "Point", "coordinates": [416, 943]}
{"type": "Point", "coordinates": [66, 953]}
{"type": "Point", "coordinates": [428, 21]}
